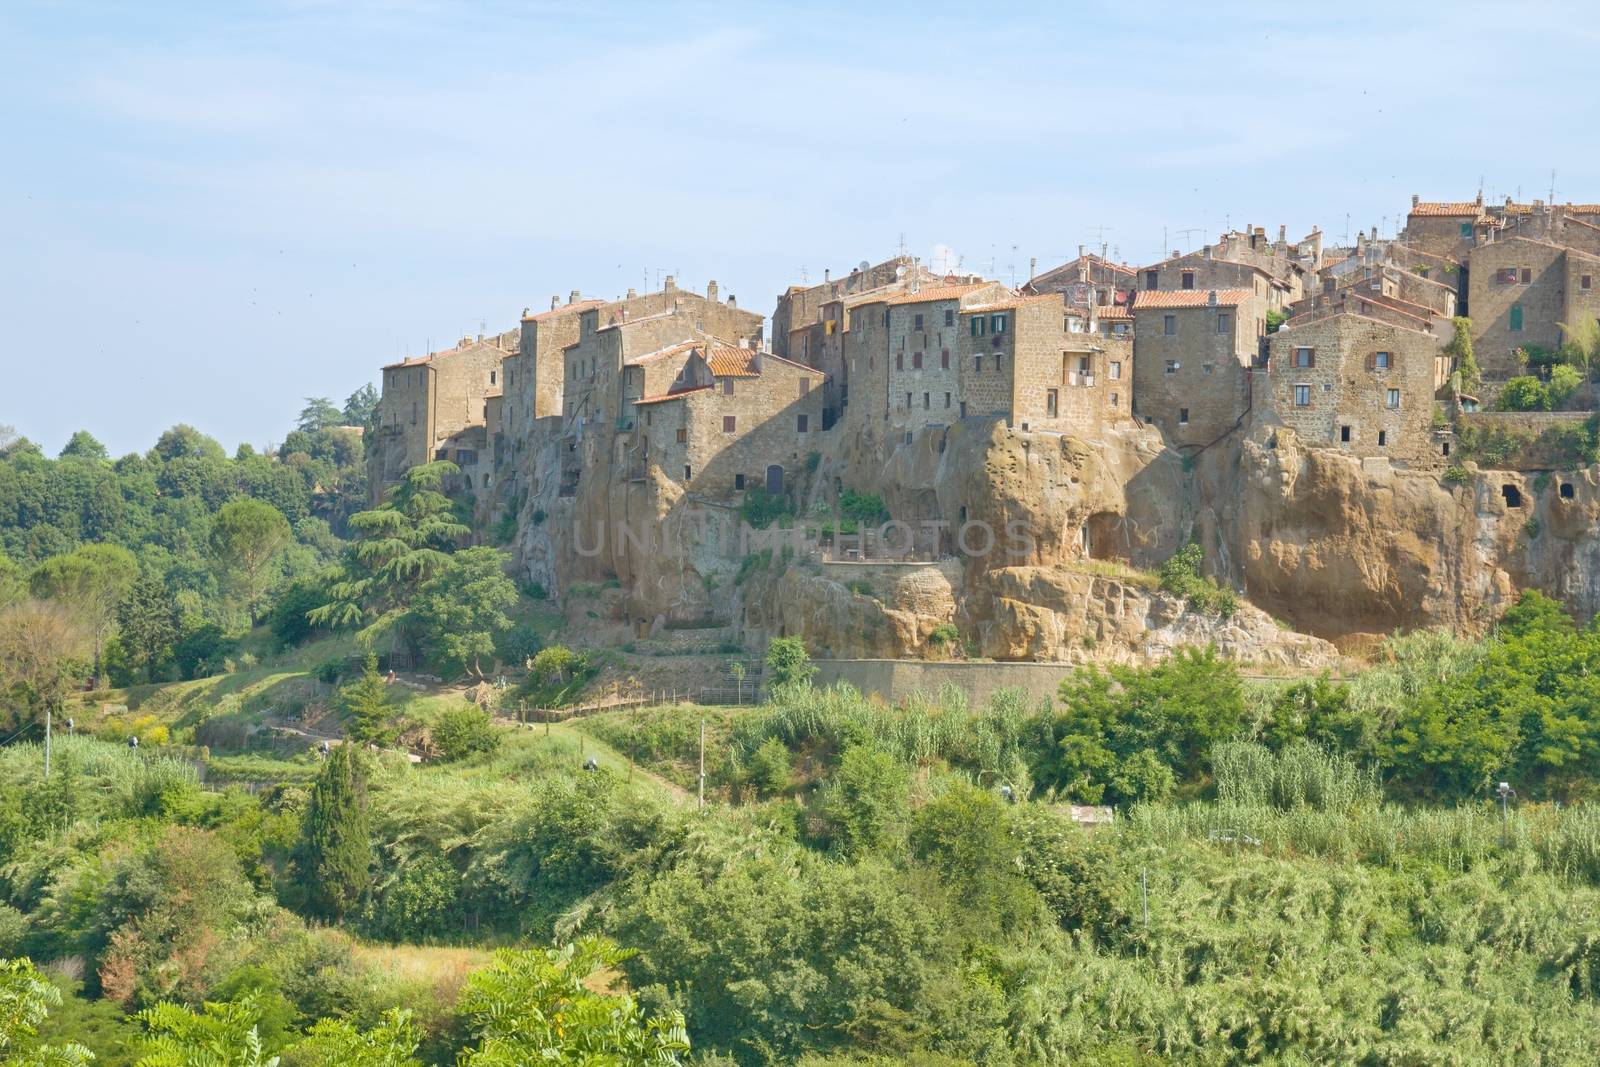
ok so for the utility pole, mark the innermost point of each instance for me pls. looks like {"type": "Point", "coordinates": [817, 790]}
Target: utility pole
{"type": "Point", "coordinates": [702, 762]}
{"type": "Point", "coordinates": [1505, 793]}
{"type": "Point", "coordinates": [47, 742]}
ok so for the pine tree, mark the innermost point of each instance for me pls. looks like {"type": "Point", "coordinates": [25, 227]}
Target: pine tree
{"type": "Point", "coordinates": [367, 702]}
{"type": "Point", "coordinates": [149, 622]}
{"type": "Point", "coordinates": [334, 856]}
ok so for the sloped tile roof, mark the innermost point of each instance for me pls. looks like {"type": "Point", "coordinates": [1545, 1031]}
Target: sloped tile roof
{"type": "Point", "coordinates": [1188, 298]}
{"type": "Point", "coordinates": [565, 309]}
{"type": "Point", "coordinates": [1443, 209]}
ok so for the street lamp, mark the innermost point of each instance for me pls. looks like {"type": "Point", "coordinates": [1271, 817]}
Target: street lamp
{"type": "Point", "coordinates": [1506, 795]}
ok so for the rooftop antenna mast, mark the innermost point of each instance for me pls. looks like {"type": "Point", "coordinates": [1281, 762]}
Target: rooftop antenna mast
{"type": "Point", "coordinates": [1552, 185]}
{"type": "Point", "coordinates": [1184, 234]}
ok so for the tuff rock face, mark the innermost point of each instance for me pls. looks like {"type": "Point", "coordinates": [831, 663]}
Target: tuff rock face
{"type": "Point", "coordinates": [1042, 538]}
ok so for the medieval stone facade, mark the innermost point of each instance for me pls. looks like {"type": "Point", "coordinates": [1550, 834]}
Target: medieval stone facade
{"type": "Point", "coordinates": [1193, 354]}
{"type": "Point", "coordinates": [1529, 283]}
{"type": "Point", "coordinates": [426, 401]}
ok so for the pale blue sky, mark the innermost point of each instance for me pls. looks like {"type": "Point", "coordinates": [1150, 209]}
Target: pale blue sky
{"type": "Point", "coordinates": [214, 210]}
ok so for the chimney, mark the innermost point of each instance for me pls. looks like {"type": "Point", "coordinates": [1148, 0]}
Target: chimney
{"type": "Point", "coordinates": [1374, 233]}
{"type": "Point", "coordinates": [1211, 298]}
{"type": "Point", "coordinates": [1283, 233]}
{"type": "Point", "coordinates": [574, 297]}
{"type": "Point", "coordinates": [672, 284]}
{"type": "Point", "coordinates": [555, 302]}
{"type": "Point", "coordinates": [731, 302]}
{"type": "Point", "coordinates": [1080, 251]}
{"type": "Point", "coordinates": [1033, 267]}
{"type": "Point", "coordinates": [827, 275]}
{"type": "Point", "coordinates": [711, 291]}
{"type": "Point", "coordinates": [1415, 199]}
{"type": "Point", "coordinates": [632, 294]}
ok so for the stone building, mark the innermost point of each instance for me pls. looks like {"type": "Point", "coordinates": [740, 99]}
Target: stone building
{"type": "Point", "coordinates": [426, 401]}
{"type": "Point", "coordinates": [1528, 280]}
{"type": "Point", "coordinates": [921, 375]}
{"type": "Point", "coordinates": [1241, 260]}
{"type": "Point", "coordinates": [726, 419]}
{"type": "Point", "coordinates": [1447, 229]}
{"type": "Point", "coordinates": [534, 373]}
{"type": "Point", "coordinates": [1193, 350]}
{"type": "Point", "coordinates": [1042, 366]}
{"type": "Point", "coordinates": [799, 307]}
{"type": "Point", "coordinates": [1086, 281]}
{"type": "Point", "coordinates": [1393, 283]}
{"type": "Point", "coordinates": [1346, 380]}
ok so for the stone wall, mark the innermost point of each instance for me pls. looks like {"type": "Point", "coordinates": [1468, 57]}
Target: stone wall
{"type": "Point", "coordinates": [1346, 392]}
{"type": "Point", "coordinates": [895, 680]}
{"type": "Point", "coordinates": [1194, 382]}
{"type": "Point", "coordinates": [1490, 301]}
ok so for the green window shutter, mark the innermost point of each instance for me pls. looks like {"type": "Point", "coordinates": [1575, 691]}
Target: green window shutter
{"type": "Point", "coordinates": [1516, 317]}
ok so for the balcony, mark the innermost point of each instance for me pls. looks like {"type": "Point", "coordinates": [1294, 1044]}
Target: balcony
{"type": "Point", "coordinates": [1078, 378]}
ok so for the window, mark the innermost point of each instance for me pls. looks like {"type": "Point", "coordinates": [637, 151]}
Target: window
{"type": "Point", "coordinates": [947, 401]}
{"type": "Point", "coordinates": [727, 385]}
{"type": "Point", "coordinates": [1516, 318]}
{"type": "Point", "coordinates": [1173, 366]}
{"type": "Point", "coordinates": [466, 457]}
{"type": "Point", "coordinates": [1188, 279]}
{"type": "Point", "coordinates": [805, 386]}
{"type": "Point", "coordinates": [688, 472]}
{"type": "Point", "coordinates": [1586, 282]}
{"type": "Point", "coordinates": [997, 358]}
{"type": "Point", "coordinates": [801, 423]}
{"type": "Point", "coordinates": [1183, 416]}
{"type": "Point", "coordinates": [917, 322]}
{"type": "Point", "coordinates": [1392, 398]}
{"type": "Point", "coordinates": [1466, 229]}
{"type": "Point", "coordinates": [738, 481]}
{"type": "Point", "coordinates": [1208, 368]}
{"type": "Point", "coordinates": [1527, 276]}
{"type": "Point", "coordinates": [997, 324]}
{"type": "Point", "coordinates": [977, 325]}
{"type": "Point", "coordinates": [491, 377]}
{"type": "Point", "coordinates": [1050, 401]}
{"type": "Point", "coordinates": [908, 401]}
{"type": "Point", "coordinates": [1224, 323]}
{"type": "Point", "coordinates": [1344, 435]}
{"type": "Point", "coordinates": [1383, 438]}
{"type": "Point", "coordinates": [1150, 277]}
{"type": "Point", "coordinates": [899, 361]}
{"type": "Point", "coordinates": [1115, 372]}
{"type": "Point", "coordinates": [949, 316]}
{"type": "Point", "coordinates": [1169, 325]}
{"type": "Point", "coordinates": [683, 435]}
{"type": "Point", "coordinates": [963, 414]}
{"type": "Point", "coordinates": [916, 360]}
{"type": "Point", "coordinates": [1506, 276]}
{"type": "Point", "coordinates": [413, 413]}
{"type": "Point", "coordinates": [1305, 357]}
{"type": "Point", "coordinates": [977, 364]}
{"type": "Point", "coordinates": [1302, 396]}
{"type": "Point", "coordinates": [1113, 399]}
{"type": "Point", "coordinates": [729, 423]}
{"type": "Point", "coordinates": [944, 360]}
{"type": "Point", "coordinates": [1382, 360]}
{"type": "Point", "coordinates": [925, 403]}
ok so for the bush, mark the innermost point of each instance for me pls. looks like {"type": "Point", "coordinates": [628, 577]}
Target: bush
{"type": "Point", "coordinates": [865, 508]}
{"type": "Point", "coordinates": [788, 663]}
{"type": "Point", "coordinates": [860, 586]}
{"type": "Point", "coordinates": [1180, 576]}
{"type": "Point", "coordinates": [465, 730]}
{"type": "Point", "coordinates": [761, 509]}
{"type": "Point", "coordinates": [769, 767]}
{"type": "Point", "coordinates": [1524, 393]}
{"type": "Point", "coordinates": [329, 671]}
{"type": "Point", "coordinates": [945, 634]}
{"type": "Point", "coordinates": [1455, 474]}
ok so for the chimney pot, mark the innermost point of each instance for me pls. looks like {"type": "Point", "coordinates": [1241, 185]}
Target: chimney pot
{"type": "Point", "coordinates": [631, 293]}
{"type": "Point", "coordinates": [827, 275]}
{"type": "Point", "coordinates": [711, 291]}
{"type": "Point", "coordinates": [731, 302]}
{"type": "Point", "coordinates": [574, 297]}
{"type": "Point", "coordinates": [1415, 200]}
{"type": "Point", "coordinates": [1211, 298]}
{"type": "Point", "coordinates": [1283, 233]}
{"type": "Point", "coordinates": [672, 283]}
{"type": "Point", "coordinates": [555, 302]}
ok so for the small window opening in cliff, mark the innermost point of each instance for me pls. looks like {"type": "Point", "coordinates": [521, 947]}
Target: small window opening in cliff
{"type": "Point", "coordinates": [1513, 496]}
{"type": "Point", "coordinates": [1447, 448]}
{"type": "Point", "coordinates": [1566, 491]}
{"type": "Point", "coordinates": [1344, 435]}
{"type": "Point", "coordinates": [1102, 535]}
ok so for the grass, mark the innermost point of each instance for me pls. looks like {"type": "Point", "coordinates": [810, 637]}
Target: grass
{"type": "Point", "coordinates": [1106, 568]}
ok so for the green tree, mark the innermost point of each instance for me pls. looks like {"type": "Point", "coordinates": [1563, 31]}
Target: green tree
{"type": "Point", "coordinates": [361, 406]}
{"type": "Point", "coordinates": [147, 621]}
{"type": "Point", "coordinates": [788, 662]}
{"type": "Point", "coordinates": [538, 1006]}
{"type": "Point", "coordinates": [12, 587]}
{"type": "Point", "coordinates": [866, 802]}
{"type": "Point", "coordinates": [246, 538]}
{"type": "Point", "coordinates": [770, 767]}
{"type": "Point", "coordinates": [1564, 381]}
{"type": "Point", "coordinates": [338, 1043]}
{"type": "Point", "coordinates": [318, 414]}
{"type": "Point", "coordinates": [40, 648]}
{"type": "Point", "coordinates": [26, 998]}
{"type": "Point", "coordinates": [90, 582]}
{"type": "Point", "coordinates": [1460, 350]}
{"type": "Point", "coordinates": [555, 665]}
{"type": "Point", "coordinates": [366, 701]}
{"type": "Point", "coordinates": [219, 1035]}
{"type": "Point", "coordinates": [399, 548]}
{"type": "Point", "coordinates": [84, 446]}
{"type": "Point", "coordinates": [1523, 393]}
{"type": "Point", "coordinates": [334, 855]}
{"type": "Point", "coordinates": [459, 612]}
{"type": "Point", "coordinates": [465, 730]}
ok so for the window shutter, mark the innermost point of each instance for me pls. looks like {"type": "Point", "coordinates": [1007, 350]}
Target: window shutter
{"type": "Point", "coordinates": [1372, 361]}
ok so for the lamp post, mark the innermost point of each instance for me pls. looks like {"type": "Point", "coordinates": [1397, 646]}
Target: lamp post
{"type": "Point", "coordinates": [1506, 795]}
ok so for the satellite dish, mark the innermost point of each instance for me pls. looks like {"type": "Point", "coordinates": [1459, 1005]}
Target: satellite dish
{"type": "Point", "coordinates": [900, 271]}
{"type": "Point", "coordinates": [862, 266]}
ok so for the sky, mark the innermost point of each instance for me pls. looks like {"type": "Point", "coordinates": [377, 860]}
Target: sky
{"type": "Point", "coordinates": [211, 211]}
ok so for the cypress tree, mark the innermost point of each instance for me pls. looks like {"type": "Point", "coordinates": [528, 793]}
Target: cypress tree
{"type": "Point", "coordinates": [334, 856]}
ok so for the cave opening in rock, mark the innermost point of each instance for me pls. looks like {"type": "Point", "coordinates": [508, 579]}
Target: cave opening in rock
{"type": "Point", "coordinates": [1566, 491]}
{"type": "Point", "coordinates": [1102, 535]}
{"type": "Point", "coordinates": [1512, 494]}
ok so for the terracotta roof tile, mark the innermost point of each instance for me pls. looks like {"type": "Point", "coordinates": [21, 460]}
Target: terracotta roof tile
{"type": "Point", "coordinates": [937, 292]}
{"type": "Point", "coordinates": [674, 395]}
{"type": "Point", "coordinates": [1189, 298]}
{"type": "Point", "coordinates": [565, 309]}
{"type": "Point", "coordinates": [1008, 302]}
{"type": "Point", "coordinates": [1441, 209]}
{"type": "Point", "coordinates": [1115, 312]}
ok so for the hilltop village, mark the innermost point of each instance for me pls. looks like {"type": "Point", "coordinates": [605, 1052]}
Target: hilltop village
{"type": "Point", "coordinates": [1391, 433]}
